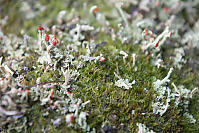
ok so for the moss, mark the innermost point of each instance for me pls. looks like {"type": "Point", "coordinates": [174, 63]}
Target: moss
{"type": "Point", "coordinates": [109, 103]}
{"type": "Point", "coordinates": [40, 122]}
{"type": "Point", "coordinates": [113, 104]}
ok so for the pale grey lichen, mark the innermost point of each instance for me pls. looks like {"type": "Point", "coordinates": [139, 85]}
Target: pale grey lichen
{"type": "Point", "coordinates": [161, 105]}
{"type": "Point", "coordinates": [50, 57]}
{"type": "Point", "coordinates": [180, 93]}
{"type": "Point", "coordinates": [159, 83]}
{"type": "Point", "coordinates": [143, 129]}
{"type": "Point", "coordinates": [123, 82]}
{"type": "Point", "coordinates": [179, 57]}
{"type": "Point", "coordinates": [190, 117]}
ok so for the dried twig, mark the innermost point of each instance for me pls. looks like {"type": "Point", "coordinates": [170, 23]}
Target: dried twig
{"type": "Point", "coordinates": [48, 82]}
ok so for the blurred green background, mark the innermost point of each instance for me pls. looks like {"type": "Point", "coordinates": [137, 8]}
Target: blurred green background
{"type": "Point", "coordinates": [28, 14]}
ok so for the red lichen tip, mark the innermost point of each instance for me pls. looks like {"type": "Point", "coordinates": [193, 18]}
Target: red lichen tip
{"type": "Point", "coordinates": [157, 43]}
{"type": "Point", "coordinates": [40, 28]}
{"type": "Point", "coordinates": [47, 38]}
{"type": "Point", "coordinates": [55, 42]}
{"type": "Point", "coordinates": [146, 32]}
{"type": "Point", "coordinates": [157, 3]}
{"type": "Point", "coordinates": [27, 91]}
{"type": "Point", "coordinates": [170, 34]}
{"type": "Point", "coordinates": [104, 59]}
{"type": "Point", "coordinates": [96, 10]}
{"type": "Point", "coordinates": [71, 118]}
{"type": "Point", "coordinates": [52, 93]}
{"type": "Point", "coordinates": [22, 83]}
{"type": "Point", "coordinates": [166, 9]}
{"type": "Point", "coordinates": [55, 36]}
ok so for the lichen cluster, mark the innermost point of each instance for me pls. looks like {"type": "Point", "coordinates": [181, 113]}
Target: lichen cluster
{"type": "Point", "coordinates": [128, 66]}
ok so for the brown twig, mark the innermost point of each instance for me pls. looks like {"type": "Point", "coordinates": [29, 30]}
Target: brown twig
{"type": "Point", "coordinates": [48, 82]}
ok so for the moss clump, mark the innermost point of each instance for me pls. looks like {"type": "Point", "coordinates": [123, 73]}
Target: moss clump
{"type": "Point", "coordinates": [113, 104]}
{"type": "Point", "coordinates": [96, 82]}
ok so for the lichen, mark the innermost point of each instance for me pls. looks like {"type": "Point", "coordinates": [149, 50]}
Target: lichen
{"type": "Point", "coordinates": [118, 66]}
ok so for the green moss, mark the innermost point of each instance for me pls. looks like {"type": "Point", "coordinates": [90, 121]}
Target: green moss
{"type": "Point", "coordinates": [40, 122]}
{"type": "Point", "coordinates": [115, 105]}
{"type": "Point", "coordinates": [109, 103]}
